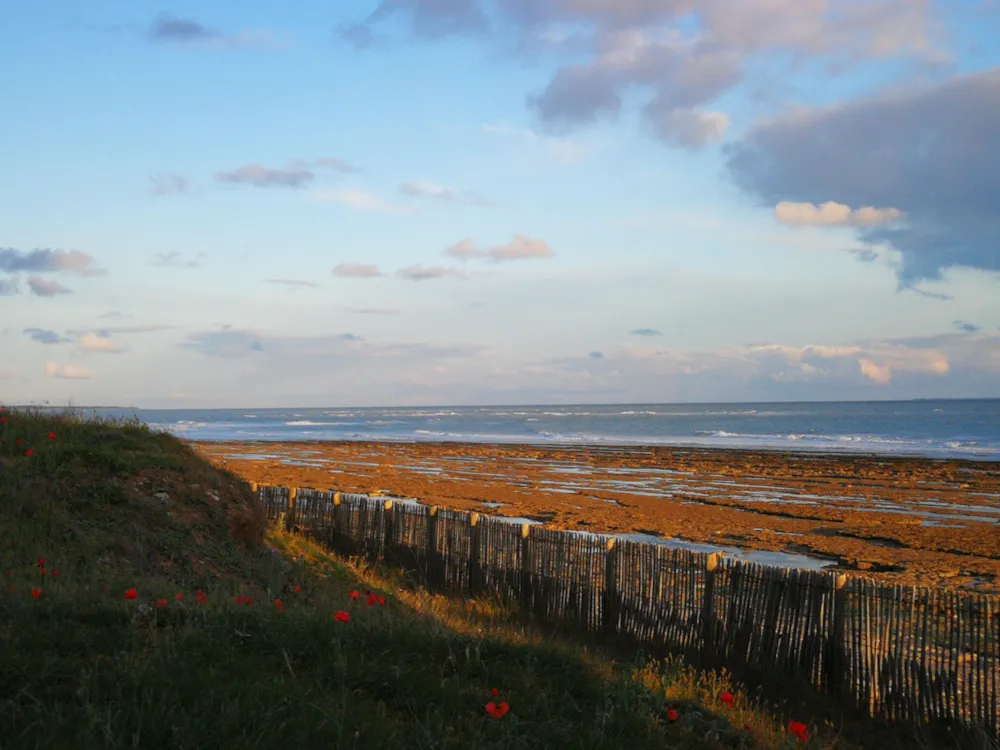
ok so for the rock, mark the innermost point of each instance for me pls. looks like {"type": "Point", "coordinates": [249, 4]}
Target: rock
{"type": "Point", "coordinates": [162, 496]}
{"type": "Point", "coordinates": [864, 566]}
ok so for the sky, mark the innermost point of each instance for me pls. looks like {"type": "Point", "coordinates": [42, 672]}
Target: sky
{"type": "Point", "coordinates": [448, 202]}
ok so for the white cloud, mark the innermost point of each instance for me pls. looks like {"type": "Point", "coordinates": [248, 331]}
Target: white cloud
{"type": "Point", "coordinates": [881, 374]}
{"type": "Point", "coordinates": [560, 150]}
{"type": "Point", "coordinates": [833, 214]}
{"type": "Point", "coordinates": [92, 342]}
{"type": "Point", "coordinates": [521, 247]}
{"type": "Point", "coordinates": [356, 270]}
{"type": "Point", "coordinates": [67, 372]}
{"type": "Point", "coordinates": [362, 200]}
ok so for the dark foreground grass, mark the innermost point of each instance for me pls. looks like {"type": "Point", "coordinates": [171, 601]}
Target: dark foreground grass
{"type": "Point", "coordinates": [99, 509]}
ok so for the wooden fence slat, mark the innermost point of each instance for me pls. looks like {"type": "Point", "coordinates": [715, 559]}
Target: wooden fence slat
{"type": "Point", "coordinates": [902, 653]}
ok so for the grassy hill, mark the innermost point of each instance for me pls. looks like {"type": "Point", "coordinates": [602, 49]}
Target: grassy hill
{"type": "Point", "coordinates": [145, 603]}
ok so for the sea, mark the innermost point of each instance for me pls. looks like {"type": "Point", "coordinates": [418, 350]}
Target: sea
{"type": "Point", "coordinates": [968, 429]}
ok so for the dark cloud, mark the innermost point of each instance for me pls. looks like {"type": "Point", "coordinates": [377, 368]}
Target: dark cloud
{"type": "Point", "coordinates": [337, 165]}
{"type": "Point", "coordinates": [167, 28]}
{"type": "Point", "coordinates": [173, 259]}
{"type": "Point", "coordinates": [864, 254]}
{"type": "Point", "coordinates": [235, 343]}
{"type": "Point", "coordinates": [227, 343]}
{"type": "Point", "coordinates": [374, 310]}
{"type": "Point", "coordinates": [44, 260]}
{"type": "Point", "coordinates": [169, 184]}
{"type": "Point", "coordinates": [685, 55]}
{"type": "Point", "coordinates": [42, 287]}
{"type": "Point", "coordinates": [9, 287]}
{"type": "Point", "coordinates": [932, 152]}
{"type": "Point", "coordinates": [44, 336]}
{"type": "Point", "coordinates": [423, 273]}
{"type": "Point", "coordinates": [296, 174]}
{"type": "Point", "coordinates": [431, 19]}
{"type": "Point", "coordinates": [930, 295]}
{"type": "Point", "coordinates": [357, 35]}
{"type": "Point", "coordinates": [645, 332]}
{"type": "Point", "coordinates": [964, 327]}
{"type": "Point", "coordinates": [576, 96]}
{"type": "Point", "coordinates": [116, 330]}
{"type": "Point", "coordinates": [596, 355]}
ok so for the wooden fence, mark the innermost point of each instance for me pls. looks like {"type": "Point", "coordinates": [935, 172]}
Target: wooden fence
{"type": "Point", "coordinates": [896, 652]}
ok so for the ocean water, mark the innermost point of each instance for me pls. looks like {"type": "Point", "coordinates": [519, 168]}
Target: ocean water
{"type": "Point", "coordinates": [942, 429]}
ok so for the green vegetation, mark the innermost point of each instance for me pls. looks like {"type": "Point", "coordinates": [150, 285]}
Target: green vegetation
{"type": "Point", "coordinates": [97, 509]}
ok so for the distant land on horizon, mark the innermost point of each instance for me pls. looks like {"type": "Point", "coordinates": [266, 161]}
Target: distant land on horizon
{"type": "Point", "coordinates": [503, 406]}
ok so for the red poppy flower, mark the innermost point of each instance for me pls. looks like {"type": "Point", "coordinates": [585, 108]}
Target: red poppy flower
{"type": "Point", "coordinates": [52, 436]}
{"type": "Point", "coordinates": [55, 573]}
{"type": "Point", "coordinates": [278, 605]}
{"type": "Point", "coordinates": [29, 452]}
{"type": "Point", "coordinates": [179, 597]}
{"type": "Point", "coordinates": [497, 712]}
{"type": "Point", "coordinates": [3, 420]}
{"type": "Point", "coordinates": [671, 715]}
{"type": "Point", "coordinates": [199, 592]}
{"type": "Point", "coordinates": [130, 594]}
{"type": "Point", "coordinates": [44, 571]}
{"type": "Point", "coordinates": [17, 442]}
{"type": "Point", "coordinates": [381, 601]}
{"type": "Point", "coordinates": [41, 562]}
{"type": "Point", "coordinates": [494, 692]}
{"type": "Point", "coordinates": [248, 600]}
{"type": "Point", "coordinates": [36, 594]}
{"type": "Point", "coordinates": [342, 617]}
{"type": "Point", "coordinates": [238, 599]}
{"type": "Point", "coordinates": [355, 595]}
{"type": "Point", "coordinates": [372, 599]}
{"type": "Point", "coordinates": [296, 589]}
{"type": "Point", "coordinates": [799, 730]}
{"type": "Point", "coordinates": [7, 573]}
{"type": "Point", "coordinates": [727, 698]}
{"type": "Point", "coordinates": [161, 603]}
{"type": "Point", "coordinates": [201, 599]}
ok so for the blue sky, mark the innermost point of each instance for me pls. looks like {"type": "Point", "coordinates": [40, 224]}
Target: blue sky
{"type": "Point", "coordinates": [252, 204]}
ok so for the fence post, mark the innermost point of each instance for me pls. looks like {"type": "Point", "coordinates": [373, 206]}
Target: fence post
{"type": "Point", "coordinates": [388, 535]}
{"type": "Point", "coordinates": [838, 660]}
{"type": "Point", "coordinates": [609, 618]}
{"type": "Point", "coordinates": [524, 558]}
{"type": "Point", "coordinates": [253, 487]}
{"type": "Point", "coordinates": [290, 516]}
{"type": "Point", "coordinates": [430, 553]}
{"type": "Point", "coordinates": [475, 570]}
{"type": "Point", "coordinates": [708, 611]}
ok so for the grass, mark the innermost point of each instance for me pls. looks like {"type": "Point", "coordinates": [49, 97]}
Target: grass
{"type": "Point", "coordinates": [112, 507]}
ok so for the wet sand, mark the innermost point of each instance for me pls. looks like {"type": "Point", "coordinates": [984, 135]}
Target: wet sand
{"type": "Point", "coordinates": [908, 520]}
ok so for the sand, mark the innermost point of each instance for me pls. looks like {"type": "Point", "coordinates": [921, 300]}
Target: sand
{"type": "Point", "coordinates": [907, 520]}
